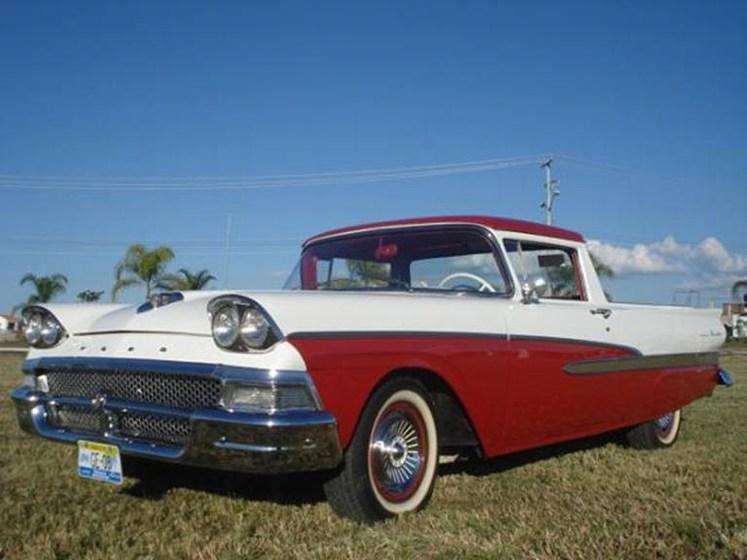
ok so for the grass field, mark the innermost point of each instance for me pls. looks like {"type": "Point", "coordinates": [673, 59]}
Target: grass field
{"type": "Point", "coordinates": [592, 499]}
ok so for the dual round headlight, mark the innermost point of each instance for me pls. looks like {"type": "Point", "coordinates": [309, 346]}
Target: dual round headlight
{"type": "Point", "coordinates": [240, 326]}
{"type": "Point", "coordinates": [41, 328]}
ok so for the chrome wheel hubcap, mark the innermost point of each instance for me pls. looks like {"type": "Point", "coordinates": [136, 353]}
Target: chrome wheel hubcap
{"type": "Point", "coordinates": [665, 422]}
{"type": "Point", "coordinates": [397, 452]}
{"type": "Point", "coordinates": [665, 425]}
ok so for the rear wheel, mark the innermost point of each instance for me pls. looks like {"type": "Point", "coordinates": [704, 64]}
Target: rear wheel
{"type": "Point", "coordinates": [656, 434]}
{"type": "Point", "coordinates": [390, 464]}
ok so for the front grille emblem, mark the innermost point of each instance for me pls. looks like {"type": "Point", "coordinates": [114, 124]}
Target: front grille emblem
{"type": "Point", "coordinates": [99, 401]}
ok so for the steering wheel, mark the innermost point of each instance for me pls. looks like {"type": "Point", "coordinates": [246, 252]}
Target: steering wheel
{"type": "Point", "coordinates": [484, 284]}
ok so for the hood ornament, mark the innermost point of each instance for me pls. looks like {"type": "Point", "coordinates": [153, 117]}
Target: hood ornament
{"type": "Point", "coordinates": [159, 300]}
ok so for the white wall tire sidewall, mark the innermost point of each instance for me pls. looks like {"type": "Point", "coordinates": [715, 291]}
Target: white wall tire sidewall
{"type": "Point", "coordinates": [672, 435]}
{"type": "Point", "coordinates": [414, 501]}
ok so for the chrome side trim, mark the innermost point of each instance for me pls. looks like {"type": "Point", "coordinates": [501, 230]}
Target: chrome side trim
{"type": "Point", "coordinates": [638, 363]}
{"type": "Point", "coordinates": [561, 340]}
{"type": "Point", "coordinates": [454, 334]}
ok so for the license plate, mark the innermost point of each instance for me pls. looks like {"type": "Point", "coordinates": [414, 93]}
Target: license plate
{"type": "Point", "coordinates": [99, 461]}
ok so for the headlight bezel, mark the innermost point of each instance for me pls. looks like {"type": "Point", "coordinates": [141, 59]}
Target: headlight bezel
{"type": "Point", "coordinates": [267, 333]}
{"type": "Point", "coordinates": [43, 320]}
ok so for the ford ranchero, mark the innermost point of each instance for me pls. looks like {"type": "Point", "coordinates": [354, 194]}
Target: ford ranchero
{"type": "Point", "coordinates": [391, 344]}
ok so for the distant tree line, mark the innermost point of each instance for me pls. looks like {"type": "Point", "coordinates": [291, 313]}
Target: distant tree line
{"type": "Point", "coordinates": [140, 266]}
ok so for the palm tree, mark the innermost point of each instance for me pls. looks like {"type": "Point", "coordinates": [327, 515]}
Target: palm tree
{"type": "Point", "coordinates": [47, 287]}
{"type": "Point", "coordinates": [736, 287]}
{"type": "Point", "coordinates": [89, 296]}
{"type": "Point", "coordinates": [186, 280]}
{"type": "Point", "coordinates": [141, 266]}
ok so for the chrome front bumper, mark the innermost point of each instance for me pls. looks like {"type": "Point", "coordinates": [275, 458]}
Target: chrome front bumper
{"type": "Point", "coordinates": [281, 442]}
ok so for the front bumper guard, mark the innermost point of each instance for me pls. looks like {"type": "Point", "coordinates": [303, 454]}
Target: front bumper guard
{"type": "Point", "coordinates": [291, 441]}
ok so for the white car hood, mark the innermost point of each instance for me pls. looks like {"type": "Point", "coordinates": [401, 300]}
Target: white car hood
{"type": "Point", "coordinates": [293, 312]}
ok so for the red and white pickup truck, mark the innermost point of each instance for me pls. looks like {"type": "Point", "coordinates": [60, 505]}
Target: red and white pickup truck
{"type": "Point", "coordinates": [391, 344]}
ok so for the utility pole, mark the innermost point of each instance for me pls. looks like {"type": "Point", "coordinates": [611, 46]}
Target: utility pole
{"type": "Point", "coordinates": [551, 191]}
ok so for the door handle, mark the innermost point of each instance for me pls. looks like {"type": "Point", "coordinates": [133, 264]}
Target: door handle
{"type": "Point", "coordinates": [603, 311]}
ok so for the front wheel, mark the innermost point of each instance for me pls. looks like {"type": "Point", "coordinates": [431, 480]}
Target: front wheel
{"type": "Point", "coordinates": [390, 465]}
{"type": "Point", "coordinates": [656, 434]}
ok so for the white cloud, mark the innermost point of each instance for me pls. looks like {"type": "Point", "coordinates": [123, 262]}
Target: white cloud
{"type": "Point", "coordinates": [638, 259]}
{"type": "Point", "coordinates": [707, 264]}
{"type": "Point", "coordinates": [711, 252]}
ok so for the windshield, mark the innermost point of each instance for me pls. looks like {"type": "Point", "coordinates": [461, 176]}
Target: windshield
{"type": "Point", "coordinates": [448, 260]}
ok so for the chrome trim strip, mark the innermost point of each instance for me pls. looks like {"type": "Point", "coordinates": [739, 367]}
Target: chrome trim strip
{"type": "Point", "coordinates": [247, 447]}
{"type": "Point", "coordinates": [454, 334]}
{"type": "Point", "coordinates": [638, 363]}
{"type": "Point", "coordinates": [163, 366]}
{"type": "Point", "coordinates": [177, 333]}
{"type": "Point", "coordinates": [117, 405]}
{"type": "Point", "coordinates": [561, 340]}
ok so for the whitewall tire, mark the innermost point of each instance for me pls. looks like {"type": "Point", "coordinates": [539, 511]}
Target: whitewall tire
{"type": "Point", "coordinates": [390, 465]}
{"type": "Point", "coordinates": [659, 433]}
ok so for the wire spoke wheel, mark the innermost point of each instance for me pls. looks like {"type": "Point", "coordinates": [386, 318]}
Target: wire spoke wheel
{"type": "Point", "coordinates": [398, 452]}
{"type": "Point", "coordinates": [390, 464]}
{"type": "Point", "coordinates": [667, 426]}
{"type": "Point", "coordinates": [656, 434]}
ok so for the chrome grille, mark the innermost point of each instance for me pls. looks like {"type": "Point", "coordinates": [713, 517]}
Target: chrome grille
{"type": "Point", "coordinates": [168, 430]}
{"type": "Point", "coordinates": [174, 390]}
{"type": "Point", "coordinates": [78, 419]}
{"type": "Point", "coordinates": [152, 427]}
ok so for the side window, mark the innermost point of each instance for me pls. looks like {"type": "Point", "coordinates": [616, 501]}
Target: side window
{"type": "Point", "coordinates": [552, 270]}
{"type": "Point", "coordinates": [338, 274]}
{"type": "Point", "coordinates": [476, 272]}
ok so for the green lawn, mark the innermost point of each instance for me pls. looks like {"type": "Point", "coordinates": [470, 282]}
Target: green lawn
{"type": "Point", "coordinates": [594, 499]}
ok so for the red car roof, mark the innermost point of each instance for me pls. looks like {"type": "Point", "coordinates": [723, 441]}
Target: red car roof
{"type": "Point", "coordinates": [505, 224]}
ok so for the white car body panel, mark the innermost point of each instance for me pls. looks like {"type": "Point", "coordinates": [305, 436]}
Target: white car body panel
{"type": "Point", "coordinates": [181, 330]}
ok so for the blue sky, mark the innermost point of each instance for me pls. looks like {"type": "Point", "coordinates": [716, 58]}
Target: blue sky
{"type": "Point", "coordinates": [157, 89]}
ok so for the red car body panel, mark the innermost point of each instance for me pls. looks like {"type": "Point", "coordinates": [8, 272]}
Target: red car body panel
{"type": "Point", "coordinates": [515, 391]}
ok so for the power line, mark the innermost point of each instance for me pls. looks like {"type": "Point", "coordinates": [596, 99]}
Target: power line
{"type": "Point", "coordinates": [215, 183]}
{"type": "Point", "coordinates": [196, 244]}
{"type": "Point", "coordinates": [24, 253]}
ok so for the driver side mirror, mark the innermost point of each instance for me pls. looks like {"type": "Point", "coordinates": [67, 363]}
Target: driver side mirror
{"type": "Point", "coordinates": [533, 287]}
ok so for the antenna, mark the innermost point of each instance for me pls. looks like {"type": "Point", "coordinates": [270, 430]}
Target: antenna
{"type": "Point", "coordinates": [551, 191]}
{"type": "Point", "coordinates": [227, 252]}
